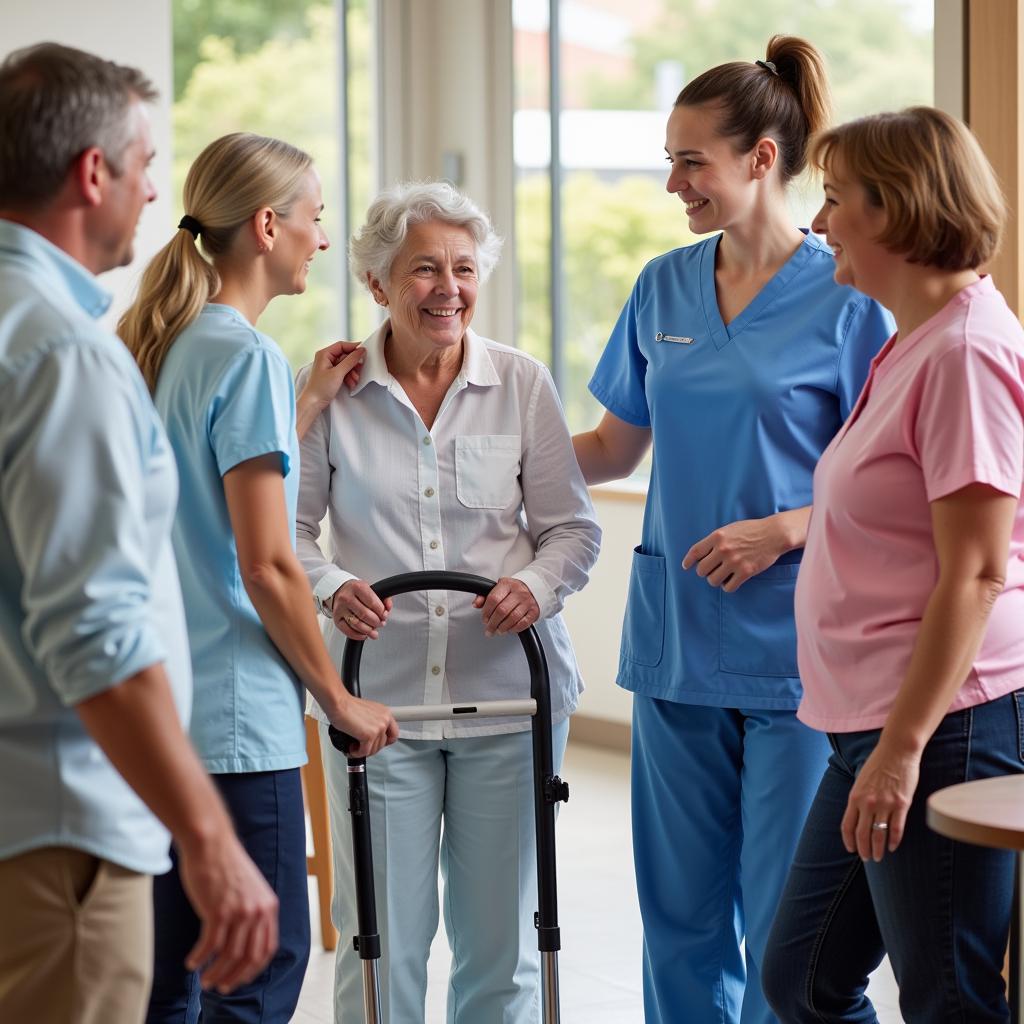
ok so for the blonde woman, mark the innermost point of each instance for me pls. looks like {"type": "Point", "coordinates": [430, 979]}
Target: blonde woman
{"type": "Point", "coordinates": [224, 391]}
{"type": "Point", "coordinates": [911, 595]}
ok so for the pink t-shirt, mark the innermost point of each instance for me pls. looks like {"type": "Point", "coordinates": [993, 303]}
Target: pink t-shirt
{"type": "Point", "coordinates": [941, 409]}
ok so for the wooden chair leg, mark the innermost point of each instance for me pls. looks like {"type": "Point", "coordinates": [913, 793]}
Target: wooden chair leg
{"type": "Point", "coordinates": [320, 864]}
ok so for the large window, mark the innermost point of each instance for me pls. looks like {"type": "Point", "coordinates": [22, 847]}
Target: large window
{"type": "Point", "coordinates": [299, 70]}
{"type": "Point", "coordinates": [587, 220]}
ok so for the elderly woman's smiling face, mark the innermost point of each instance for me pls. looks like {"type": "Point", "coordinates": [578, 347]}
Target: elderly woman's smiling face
{"type": "Point", "coordinates": [431, 291]}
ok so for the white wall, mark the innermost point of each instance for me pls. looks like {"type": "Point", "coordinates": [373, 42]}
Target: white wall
{"type": "Point", "coordinates": [136, 33]}
{"type": "Point", "coordinates": [594, 616]}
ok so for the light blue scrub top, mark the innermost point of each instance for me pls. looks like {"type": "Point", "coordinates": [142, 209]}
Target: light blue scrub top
{"type": "Point", "coordinates": [225, 393]}
{"type": "Point", "coordinates": [89, 592]}
{"type": "Point", "coordinates": [740, 415]}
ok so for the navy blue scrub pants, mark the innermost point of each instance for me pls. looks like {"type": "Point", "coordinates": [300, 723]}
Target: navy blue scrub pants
{"type": "Point", "coordinates": [940, 909]}
{"type": "Point", "coordinates": [266, 808]}
{"type": "Point", "coordinates": [719, 801]}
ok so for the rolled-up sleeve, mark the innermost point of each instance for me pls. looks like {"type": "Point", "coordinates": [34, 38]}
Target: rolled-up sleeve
{"type": "Point", "coordinates": [254, 412]}
{"type": "Point", "coordinates": [73, 495]}
{"type": "Point", "coordinates": [559, 514]}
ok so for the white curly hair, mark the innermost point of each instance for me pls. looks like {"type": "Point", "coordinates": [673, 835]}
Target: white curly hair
{"type": "Point", "coordinates": [375, 245]}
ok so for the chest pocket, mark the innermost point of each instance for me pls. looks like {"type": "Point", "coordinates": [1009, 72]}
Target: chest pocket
{"type": "Point", "coordinates": [487, 469]}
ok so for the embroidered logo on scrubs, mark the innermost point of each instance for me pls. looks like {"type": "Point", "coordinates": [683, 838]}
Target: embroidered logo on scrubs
{"type": "Point", "coordinates": [673, 337]}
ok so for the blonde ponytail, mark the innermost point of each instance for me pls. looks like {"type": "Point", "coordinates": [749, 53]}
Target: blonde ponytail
{"type": "Point", "coordinates": [175, 286]}
{"type": "Point", "coordinates": [231, 179]}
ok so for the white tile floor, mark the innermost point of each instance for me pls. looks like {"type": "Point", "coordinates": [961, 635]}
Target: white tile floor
{"type": "Point", "coordinates": [600, 959]}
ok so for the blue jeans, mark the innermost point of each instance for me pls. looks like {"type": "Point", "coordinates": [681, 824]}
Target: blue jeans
{"type": "Point", "coordinates": [267, 811]}
{"type": "Point", "coordinates": [939, 908]}
{"type": "Point", "coordinates": [719, 799]}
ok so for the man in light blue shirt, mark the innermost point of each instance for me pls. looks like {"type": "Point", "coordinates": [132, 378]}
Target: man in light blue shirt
{"type": "Point", "coordinates": [94, 664]}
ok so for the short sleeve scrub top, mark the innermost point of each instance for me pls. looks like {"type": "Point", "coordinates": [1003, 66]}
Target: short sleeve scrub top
{"type": "Point", "coordinates": [739, 415]}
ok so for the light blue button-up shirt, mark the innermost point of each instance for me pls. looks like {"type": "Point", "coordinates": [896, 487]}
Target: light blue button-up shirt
{"type": "Point", "coordinates": [226, 395]}
{"type": "Point", "coordinates": [89, 591]}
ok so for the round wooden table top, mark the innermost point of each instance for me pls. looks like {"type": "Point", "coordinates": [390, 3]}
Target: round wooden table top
{"type": "Point", "coordinates": [987, 812]}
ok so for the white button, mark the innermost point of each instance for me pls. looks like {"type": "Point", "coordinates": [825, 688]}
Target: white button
{"type": "Point", "coordinates": [436, 670]}
{"type": "Point", "coordinates": [433, 545]}
{"type": "Point", "coordinates": [429, 492]}
{"type": "Point", "coordinates": [426, 440]}
{"type": "Point", "coordinates": [439, 610]}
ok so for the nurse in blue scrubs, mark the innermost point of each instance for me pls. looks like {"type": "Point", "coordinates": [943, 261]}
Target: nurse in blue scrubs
{"type": "Point", "coordinates": [738, 358]}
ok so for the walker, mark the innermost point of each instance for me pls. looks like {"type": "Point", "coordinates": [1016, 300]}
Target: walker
{"type": "Point", "coordinates": [548, 790]}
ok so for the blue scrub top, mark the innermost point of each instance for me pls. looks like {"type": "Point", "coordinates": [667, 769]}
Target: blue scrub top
{"type": "Point", "coordinates": [226, 395]}
{"type": "Point", "coordinates": [740, 415]}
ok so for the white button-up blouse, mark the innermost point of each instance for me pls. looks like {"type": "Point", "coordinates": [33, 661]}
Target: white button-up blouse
{"type": "Point", "coordinates": [492, 488]}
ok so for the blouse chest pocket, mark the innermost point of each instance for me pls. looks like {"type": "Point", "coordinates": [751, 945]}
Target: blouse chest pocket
{"type": "Point", "coordinates": [487, 469]}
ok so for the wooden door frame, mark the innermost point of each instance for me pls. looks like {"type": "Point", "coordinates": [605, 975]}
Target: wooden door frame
{"type": "Point", "coordinates": [994, 43]}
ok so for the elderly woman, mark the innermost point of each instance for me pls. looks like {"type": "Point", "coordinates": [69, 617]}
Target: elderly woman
{"type": "Point", "coordinates": [451, 453]}
{"type": "Point", "coordinates": [910, 599]}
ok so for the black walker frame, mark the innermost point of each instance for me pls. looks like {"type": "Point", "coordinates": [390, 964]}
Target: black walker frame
{"type": "Point", "coordinates": [548, 790]}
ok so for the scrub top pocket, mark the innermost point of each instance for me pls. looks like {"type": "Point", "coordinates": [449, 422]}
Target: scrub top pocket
{"type": "Point", "coordinates": [758, 631]}
{"type": "Point", "coordinates": [487, 469]}
{"type": "Point", "coordinates": [643, 631]}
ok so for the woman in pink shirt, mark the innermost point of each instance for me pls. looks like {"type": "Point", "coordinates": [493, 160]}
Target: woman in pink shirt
{"type": "Point", "coordinates": [910, 599]}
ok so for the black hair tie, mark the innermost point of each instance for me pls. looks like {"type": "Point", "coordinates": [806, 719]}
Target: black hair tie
{"type": "Point", "coordinates": [190, 224]}
{"type": "Point", "coordinates": [768, 65]}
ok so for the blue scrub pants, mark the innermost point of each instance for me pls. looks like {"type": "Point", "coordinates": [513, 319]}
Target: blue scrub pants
{"type": "Point", "coordinates": [267, 811]}
{"type": "Point", "coordinates": [719, 801]}
{"type": "Point", "coordinates": [481, 789]}
{"type": "Point", "coordinates": [940, 909]}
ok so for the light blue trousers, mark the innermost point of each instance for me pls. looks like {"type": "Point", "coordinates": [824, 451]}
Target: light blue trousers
{"type": "Point", "coordinates": [719, 801]}
{"type": "Point", "coordinates": [481, 790]}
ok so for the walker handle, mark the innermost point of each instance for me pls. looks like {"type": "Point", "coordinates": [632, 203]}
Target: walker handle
{"type": "Point", "coordinates": [408, 582]}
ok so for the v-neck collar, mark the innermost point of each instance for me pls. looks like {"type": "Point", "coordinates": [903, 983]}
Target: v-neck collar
{"type": "Point", "coordinates": [769, 292]}
{"type": "Point", "coordinates": [893, 351]}
{"type": "Point", "coordinates": [896, 351]}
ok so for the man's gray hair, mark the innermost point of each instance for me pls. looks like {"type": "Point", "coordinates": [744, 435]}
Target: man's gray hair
{"type": "Point", "coordinates": [375, 245]}
{"type": "Point", "coordinates": [55, 103]}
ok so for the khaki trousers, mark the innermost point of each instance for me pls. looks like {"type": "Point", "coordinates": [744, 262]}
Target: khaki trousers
{"type": "Point", "coordinates": [76, 939]}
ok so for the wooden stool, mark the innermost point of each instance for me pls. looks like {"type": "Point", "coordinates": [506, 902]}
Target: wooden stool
{"type": "Point", "coordinates": [990, 812]}
{"type": "Point", "coordinates": [319, 864]}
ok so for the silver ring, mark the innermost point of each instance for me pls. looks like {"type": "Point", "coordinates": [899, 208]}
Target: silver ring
{"type": "Point", "coordinates": [880, 826]}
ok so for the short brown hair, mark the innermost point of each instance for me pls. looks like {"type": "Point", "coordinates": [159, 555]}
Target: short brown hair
{"type": "Point", "coordinates": [56, 102]}
{"type": "Point", "coordinates": [785, 97]}
{"type": "Point", "coordinates": [942, 201]}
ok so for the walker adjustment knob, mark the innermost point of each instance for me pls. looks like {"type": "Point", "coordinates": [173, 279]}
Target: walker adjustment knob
{"type": "Point", "coordinates": [555, 790]}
